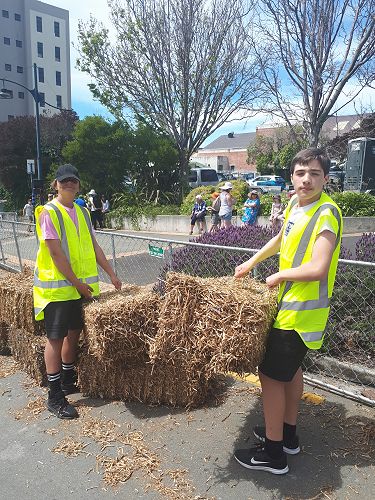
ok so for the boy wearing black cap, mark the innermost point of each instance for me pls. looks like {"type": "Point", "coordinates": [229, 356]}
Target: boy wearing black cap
{"type": "Point", "coordinates": [65, 273]}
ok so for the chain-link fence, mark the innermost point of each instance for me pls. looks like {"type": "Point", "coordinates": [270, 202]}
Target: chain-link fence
{"type": "Point", "coordinates": [344, 365]}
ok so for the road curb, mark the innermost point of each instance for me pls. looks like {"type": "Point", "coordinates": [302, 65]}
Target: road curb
{"type": "Point", "coordinates": [348, 371]}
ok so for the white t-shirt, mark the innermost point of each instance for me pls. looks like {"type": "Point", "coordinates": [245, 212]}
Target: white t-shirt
{"type": "Point", "coordinates": [297, 212]}
{"type": "Point", "coordinates": [28, 210]}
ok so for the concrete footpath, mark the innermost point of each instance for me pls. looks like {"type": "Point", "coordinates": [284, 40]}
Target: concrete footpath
{"type": "Point", "coordinates": [131, 451]}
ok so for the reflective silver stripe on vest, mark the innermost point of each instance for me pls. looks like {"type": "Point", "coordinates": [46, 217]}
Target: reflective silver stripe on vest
{"type": "Point", "coordinates": [305, 305]}
{"type": "Point", "coordinates": [88, 220]}
{"type": "Point", "coordinates": [61, 283]}
{"type": "Point", "coordinates": [37, 310]}
{"type": "Point", "coordinates": [311, 336]}
{"type": "Point", "coordinates": [323, 301]}
{"type": "Point", "coordinates": [64, 239]}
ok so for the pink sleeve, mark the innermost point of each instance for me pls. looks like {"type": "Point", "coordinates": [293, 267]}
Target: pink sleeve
{"type": "Point", "coordinates": [47, 227]}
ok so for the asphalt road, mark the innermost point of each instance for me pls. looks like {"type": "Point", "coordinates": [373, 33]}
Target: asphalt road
{"type": "Point", "coordinates": [176, 454]}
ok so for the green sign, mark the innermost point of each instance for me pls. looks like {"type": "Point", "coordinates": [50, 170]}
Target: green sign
{"type": "Point", "coordinates": [156, 251]}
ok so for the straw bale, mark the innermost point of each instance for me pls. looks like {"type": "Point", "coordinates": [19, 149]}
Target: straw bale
{"type": "Point", "coordinates": [120, 327]}
{"type": "Point", "coordinates": [28, 351]}
{"type": "Point", "coordinates": [143, 383]}
{"type": "Point", "coordinates": [16, 303]}
{"type": "Point", "coordinates": [212, 325]}
{"type": "Point", "coordinates": [4, 346]}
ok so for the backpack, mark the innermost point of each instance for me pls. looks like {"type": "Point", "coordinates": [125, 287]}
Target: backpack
{"type": "Point", "coordinates": [96, 201]}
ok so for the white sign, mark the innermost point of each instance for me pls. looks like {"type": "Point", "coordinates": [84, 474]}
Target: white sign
{"type": "Point", "coordinates": [30, 166]}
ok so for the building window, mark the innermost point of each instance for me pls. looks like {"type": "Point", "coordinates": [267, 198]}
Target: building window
{"type": "Point", "coordinates": [56, 28]}
{"type": "Point", "coordinates": [6, 40]}
{"type": "Point", "coordinates": [39, 24]}
{"type": "Point", "coordinates": [5, 13]}
{"type": "Point", "coordinates": [10, 117]}
{"type": "Point", "coordinates": [40, 49]}
{"type": "Point", "coordinates": [8, 67]}
{"type": "Point", "coordinates": [19, 69]}
{"type": "Point", "coordinates": [57, 54]}
{"type": "Point", "coordinates": [17, 17]}
{"type": "Point", "coordinates": [59, 101]}
{"type": "Point", "coordinates": [21, 95]}
{"type": "Point", "coordinates": [42, 99]}
{"type": "Point", "coordinates": [58, 78]}
{"type": "Point", "coordinates": [41, 75]}
{"type": "Point", "coordinates": [19, 43]}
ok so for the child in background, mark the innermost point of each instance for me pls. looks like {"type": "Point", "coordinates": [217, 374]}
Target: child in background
{"type": "Point", "coordinates": [277, 216]}
{"type": "Point", "coordinates": [214, 209]}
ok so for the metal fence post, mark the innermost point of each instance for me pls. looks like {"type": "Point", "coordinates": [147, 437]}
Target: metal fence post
{"type": "Point", "coordinates": [17, 246]}
{"type": "Point", "coordinates": [113, 253]}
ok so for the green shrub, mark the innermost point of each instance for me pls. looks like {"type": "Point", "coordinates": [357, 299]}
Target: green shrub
{"type": "Point", "coordinates": [355, 204]}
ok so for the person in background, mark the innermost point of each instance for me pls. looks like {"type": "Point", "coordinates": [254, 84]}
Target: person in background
{"type": "Point", "coordinates": [277, 213]}
{"type": "Point", "coordinates": [81, 201]}
{"type": "Point", "coordinates": [226, 204]}
{"type": "Point", "coordinates": [105, 204]}
{"type": "Point", "coordinates": [214, 210]}
{"type": "Point", "coordinates": [65, 273]}
{"type": "Point", "coordinates": [28, 212]}
{"type": "Point", "coordinates": [95, 204]}
{"type": "Point", "coordinates": [251, 209]}
{"type": "Point", "coordinates": [50, 197]}
{"type": "Point", "coordinates": [198, 214]}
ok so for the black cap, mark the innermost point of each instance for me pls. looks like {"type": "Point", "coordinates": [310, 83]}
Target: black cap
{"type": "Point", "coordinates": [66, 171]}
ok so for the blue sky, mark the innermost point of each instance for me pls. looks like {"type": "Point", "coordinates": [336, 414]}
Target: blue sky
{"type": "Point", "coordinates": [83, 102]}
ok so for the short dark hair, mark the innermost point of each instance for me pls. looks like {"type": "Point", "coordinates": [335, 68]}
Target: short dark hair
{"type": "Point", "coordinates": [305, 156]}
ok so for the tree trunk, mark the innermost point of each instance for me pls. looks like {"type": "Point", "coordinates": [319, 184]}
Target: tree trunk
{"type": "Point", "coordinates": [184, 170]}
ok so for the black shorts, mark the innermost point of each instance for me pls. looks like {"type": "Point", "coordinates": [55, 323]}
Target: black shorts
{"type": "Point", "coordinates": [285, 351]}
{"type": "Point", "coordinates": [60, 317]}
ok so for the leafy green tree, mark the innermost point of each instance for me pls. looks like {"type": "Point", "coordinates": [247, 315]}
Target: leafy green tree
{"type": "Point", "coordinates": [101, 151]}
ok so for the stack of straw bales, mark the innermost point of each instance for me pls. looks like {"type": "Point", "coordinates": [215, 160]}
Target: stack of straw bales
{"type": "Point", "coordinates": [118, 331]}
{"type": "Point", "coordinates": [4, 346]}
{"type": "Point", "coordinates": [25, 336]}
{"type": "Point", "coordinates": [211, 325]}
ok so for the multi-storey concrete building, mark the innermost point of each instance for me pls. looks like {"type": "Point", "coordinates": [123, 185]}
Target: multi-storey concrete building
{"type": "Point", "coordinates": [34, 32]}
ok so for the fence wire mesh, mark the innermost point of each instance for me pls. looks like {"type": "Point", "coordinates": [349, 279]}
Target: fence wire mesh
{"type": "Point", "coordinates": [344, 365]}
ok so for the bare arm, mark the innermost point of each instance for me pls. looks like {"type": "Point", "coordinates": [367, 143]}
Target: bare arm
{"type": "Point", "coordinates": [63, 265]}
{"type": "Point", "coordinates": [314, 270]}
{"type": "Point", "coordinates": [269, 249]}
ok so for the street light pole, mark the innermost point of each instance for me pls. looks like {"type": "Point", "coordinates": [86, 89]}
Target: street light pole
{"type": "Point", "coordinates": [37, 123]}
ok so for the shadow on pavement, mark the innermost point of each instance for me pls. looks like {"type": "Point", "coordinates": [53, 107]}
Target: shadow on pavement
{"type": "Point", "coordinates": [330, 441]}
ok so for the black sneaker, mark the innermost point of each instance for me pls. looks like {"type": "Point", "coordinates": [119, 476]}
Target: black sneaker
{"type": "Point", "coordinates": [291, 447]}
{"type": "Point", "coordinates": [60, 407]}
{"type": "Point", "coordinates": [257, 459]}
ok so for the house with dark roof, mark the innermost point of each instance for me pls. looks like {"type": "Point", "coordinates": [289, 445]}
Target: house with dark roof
{"type": "Point", "coordinates": [227, 153]}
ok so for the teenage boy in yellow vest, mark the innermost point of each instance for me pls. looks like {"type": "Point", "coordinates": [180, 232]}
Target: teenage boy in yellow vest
{"type": "Point", "coordinates": [65, 272]}
{"type": "Point", "coordinates": [309, 245]}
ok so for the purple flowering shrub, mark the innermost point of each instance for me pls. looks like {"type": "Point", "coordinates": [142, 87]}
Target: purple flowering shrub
{"type": "Point", "coordinates": [365, 247]}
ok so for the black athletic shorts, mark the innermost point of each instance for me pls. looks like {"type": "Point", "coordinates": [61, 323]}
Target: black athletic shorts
{"type": "Point", "coordinates": [59, 317]}
{"type": "Point", "coordinates": [285, 351]}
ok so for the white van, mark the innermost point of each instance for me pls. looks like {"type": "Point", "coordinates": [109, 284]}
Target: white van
{"type": "Point", "coordinates": [203, 177]}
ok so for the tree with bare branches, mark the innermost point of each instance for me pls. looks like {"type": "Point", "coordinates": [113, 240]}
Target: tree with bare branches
{"type": "Point", "coordinates": [315, 56]}
{"type": "Point", "coordinates": [183, 66]}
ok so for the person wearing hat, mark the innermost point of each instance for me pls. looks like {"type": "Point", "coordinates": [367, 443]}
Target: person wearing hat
{"type": "Point", "coordinates": [96, 209]}
{"type": "Point", "coordinates": [214, 209]}
{"type": "Point", "coordinates": [251, 208]}
{"type": "Point", "coordinates": [65, 273]}
{"type": "Point", "coordinates": [226, 204]}
{"type": "Point", "coordinates": [198, 214]}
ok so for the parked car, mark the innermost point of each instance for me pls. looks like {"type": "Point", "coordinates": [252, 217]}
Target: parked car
{"type": "Point", "coordinates": [268, 183]}
{"type": "Point", "coordinates": [203, 177]}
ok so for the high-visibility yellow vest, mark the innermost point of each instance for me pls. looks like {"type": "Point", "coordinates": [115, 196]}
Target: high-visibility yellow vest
{"type": "Point", "coordinates": [50, 285]}
{"type": "Point", "coordinates": [304, 306]}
